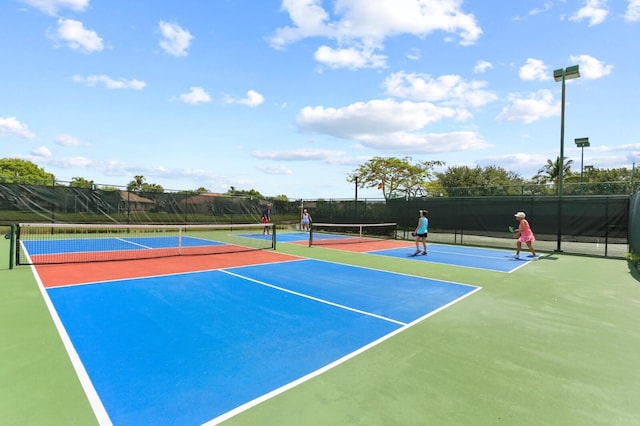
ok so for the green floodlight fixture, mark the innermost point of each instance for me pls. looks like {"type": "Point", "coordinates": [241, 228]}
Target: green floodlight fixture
{"type": "Point", "coordinates": [589, 168]}
{"type": "Point", "coordinates": [582, 143]}
{"type": "Point", "coordinates": [562, 75]}
{"type": "Point", "coordinates": [566, 73]}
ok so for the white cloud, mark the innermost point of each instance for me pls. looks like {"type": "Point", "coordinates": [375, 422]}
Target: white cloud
{"type": "Point", "coordinates": [526, 163]}
{"type": "Point", "coordinates": [252, 100]}
{"type": "Point", "coordinates": [110, 83]}
{"type": "Point", "coordinates": [323, 155]}
{"type": "Point", "coordinates": [373, 117]}
{"type": "Point", "coordinates": [545, 8]}
{"type": "Point", "coordinates": [77, 37]}
{"type": "Point", "coordinates": [360, 29]}
{"type": "Point", "coordinates": [51, 6]}
{"type": "Point", "coordinates": [414, 54]}
{"type": "Point", "coordinates": [42, 151]}
{"type": "Point", "coordinates": [450, 90]}
{"type": "Point", "coordinates": [528, 109]}
{"type": "Point", "coordinates": [67, 140]}
{"type": "Point", "coordinates": [632, 14]}
{"type": "Point", "coordinates": [594, 11]}
{"type": "Point", "coordinates": [482, 66]}
{"type": "Point", "coordinates": [351, 57]}
{"type": "Point", "coordinates": [623, 147]}
{"type": "Point", "coordinates": [309, 19]}
{"type": "Point", "coordinates": [389, 126]}
{"type": "Point", "coordinates": [174, 39]}
{"type": "Point", "coordinates": [196, 95]}
{"type": "Point", "coordinates": [534, 69]}
{"type": "Point", "coordinates": [275, 170]}
{"type": "Point", "coordinates": [423, 143]}
{"type": "Point", "coordinates": [11, 126]}
{"type": "Point", "coordinates": [590, 67]}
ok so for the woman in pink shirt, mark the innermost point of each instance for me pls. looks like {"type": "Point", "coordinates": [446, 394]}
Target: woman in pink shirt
{"type": "Point", "coordinates": [524, 234]}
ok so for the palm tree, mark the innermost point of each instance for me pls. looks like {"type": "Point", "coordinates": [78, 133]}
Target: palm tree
{"type": "Point", "coordinates": [550, 172]}
{"type": "Point", "coordinates": [137, 183]}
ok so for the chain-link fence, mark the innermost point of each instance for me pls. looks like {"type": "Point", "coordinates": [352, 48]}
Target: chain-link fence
{"type": "Point", "coordinates": [593, 224]}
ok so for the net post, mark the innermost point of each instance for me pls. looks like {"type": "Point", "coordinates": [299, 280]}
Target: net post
{"type": "Point", "coordinates": [310, 234]}
{"type": "Point", "coordinates": [12, 245]}
{"type": "Point", "coordinates": [273, 236]}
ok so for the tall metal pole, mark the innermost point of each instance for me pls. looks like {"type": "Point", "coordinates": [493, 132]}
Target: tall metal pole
{"type": "Point", "coordinates": [561, 167]}
{"type": "Point", "coordinates": [581, 166]}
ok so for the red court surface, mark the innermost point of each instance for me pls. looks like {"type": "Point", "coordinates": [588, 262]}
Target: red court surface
{"type": "Point", "coordinates": [117, 255]}
{"type": "Point", "coordinates": [78, 273]}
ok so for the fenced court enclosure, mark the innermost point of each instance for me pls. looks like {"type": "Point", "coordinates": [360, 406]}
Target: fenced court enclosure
{"type": "Point", "coordinates": [594, 223]}
{"type": "Point", "coordinates": [231, 321]}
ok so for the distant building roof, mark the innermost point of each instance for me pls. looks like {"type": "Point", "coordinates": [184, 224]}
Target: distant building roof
{"type": "Point", "coordinates": [134, 198]}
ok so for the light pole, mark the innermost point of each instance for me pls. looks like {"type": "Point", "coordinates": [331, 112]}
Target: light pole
{"type": "Point", "coordinates": [582, 143]}
{"type": "Point", "coordinates": [562, 74]}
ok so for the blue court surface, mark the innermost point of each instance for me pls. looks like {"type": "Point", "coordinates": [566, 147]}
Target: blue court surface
{"type": "Point", "coordinates": [292, 237]}
{"type": "Point", "coordinates": [281, 237]}
{"type": "Point", "coordinates": [199, 347]}
{"type": "Point", "coordinates": [36, 247]}
{"type": "Point", "coordinates": [471, 257]}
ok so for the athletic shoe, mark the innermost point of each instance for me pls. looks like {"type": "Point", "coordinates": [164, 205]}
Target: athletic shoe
{"type": "Point", "coordinates": [424, 253]}
{"type": "Point", "coordinates": [535, 258]}
{"type": "Point", "coordinates": [516, 256]}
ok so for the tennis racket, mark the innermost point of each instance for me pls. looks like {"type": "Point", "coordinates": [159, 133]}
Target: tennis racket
{"type": "Point", "coordinates": [511, 229]}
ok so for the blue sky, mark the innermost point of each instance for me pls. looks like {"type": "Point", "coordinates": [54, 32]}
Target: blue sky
{"type": "Point", "coordinates": [289, 97]}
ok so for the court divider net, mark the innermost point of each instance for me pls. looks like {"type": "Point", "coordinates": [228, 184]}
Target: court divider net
{"type": "Point", "coordinates": [51, 243]}
{"type": "Point", "coordinates": [350, 233]}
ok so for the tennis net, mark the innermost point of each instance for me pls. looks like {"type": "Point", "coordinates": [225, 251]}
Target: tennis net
{"type": "Point", "coordinates": [50, 243]}
{"type": "Point", "coordinates": [349, 233]}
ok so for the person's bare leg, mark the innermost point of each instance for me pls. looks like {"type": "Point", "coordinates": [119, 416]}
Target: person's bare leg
{"type": "Point", "coordinates": [518, 248]}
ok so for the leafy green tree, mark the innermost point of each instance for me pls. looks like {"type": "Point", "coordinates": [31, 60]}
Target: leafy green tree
{"type": "Point", "coordinates": [80, 182]}
{"type": "Point", "coordinates": [14, 170]}
{"type": "Point", "coordinates": [252, 193]}
{"type": "Point", "coordinates": [139, 184]}
{"type": "Point", "coordinates": [464, 176]}
{"type": "Point", "coordinates": [201, 190]}
{"type": "Point", "coordinates": [489, 180]}
{"type": "Point", "coordinates": [152, 187]}
{"type": "Point", "coordinates": [608, 181]}
{"type": "Point", "coordinates": [395, 177]}
{"type": "Point", "coordinates": [609, 175]}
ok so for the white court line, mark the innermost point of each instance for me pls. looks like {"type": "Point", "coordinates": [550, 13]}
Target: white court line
{"type": "Point", "coordinates": [133, 243]}
{"type": "Point", "coordinates": [229, 414]}
{"type": "Point", "coordinates": [92, 395]}
{"type": "Point", "coordinates": [306, 296]}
